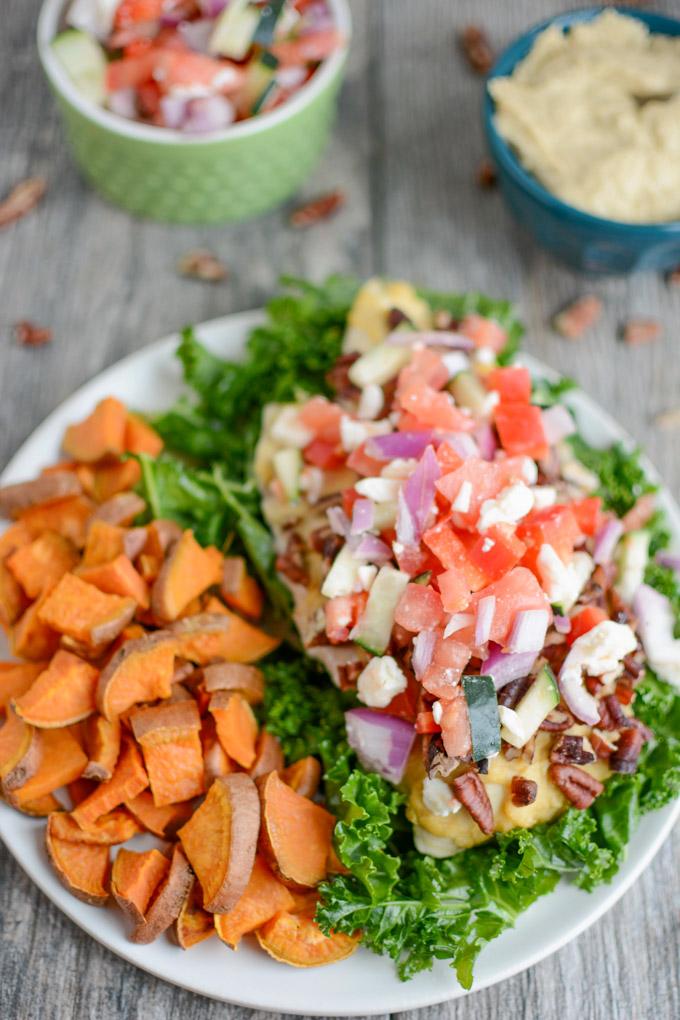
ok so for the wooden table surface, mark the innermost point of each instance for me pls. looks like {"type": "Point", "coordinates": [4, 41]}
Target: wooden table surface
{"type": "Point", "coordinates": [405, 152]}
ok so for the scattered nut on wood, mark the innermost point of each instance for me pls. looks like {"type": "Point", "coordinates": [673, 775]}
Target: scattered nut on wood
{"type": "Point", "coordinates": [668, 419]}
{"type": "Point", "coordinates": [321, 208]}
{"type": "Point", "coordinates": [487, 177]}
{"type": "Point", "coordinates": [30, 335]}
{"type": "Point", "coordinates": [202, 264]}
{"type": "Point", "coordinates": [21, 199]}
{"type": "Point", "coordinates": [475, 44]}
{"type": "Point", "coordinates": [636, 332]}
{"type": "Point", "coordinates": [573, 320]}
{"type": "Point", "coordinates": [673, 277]}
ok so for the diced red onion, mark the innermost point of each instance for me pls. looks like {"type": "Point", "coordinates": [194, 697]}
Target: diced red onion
{"type": "Point", "coordinates": [562, 624]}
{"type": "Point", "coordinates": [316, 18]}
{"type": "Point", "coordinates": [171, 19]}
{"type": "Point", "coordinates": [558, 423]}
{"type": "Point", "coordinates": [423, 650]}
{"type": "Point", "coordinates": [419, 490]}
{"type": "Point", "coordinates": [382, 742]}
{"type": "Point", "coordinates": [370, 547]}
{"type": "Point", "coordinates": [487, 443]}
{"type": "Point", "coordinates": [363, 514]}
{"type": "Point", "coordinates": [606, 540]}
{"type": "Point", "coordinates": [290, 77]}
{"type": "Point", "coordinates": [398, 444]}
{"type": "Point", "coordinates": [174, 110]}
{"type": "Point", "coordinates": [431, 338]}
{"type": "Point", "coordinates": [196, 34]}
{"type": "Point", "coordinates": [486, 610]}
{"type": "Point", "coordinates": [211, 8]}
{"type": "Point", "coordinates": [503, 667]}
{"type": "Point", "coordinates": [458, 621]}
{"type": "Point", "coordinates": [528, 630]}
{"type": "Point", "coordinates": [577, 698]}
{"type": "Point", "coordinates": [338, 520]}
{"type": "Point", "coordinates": [463, 444]}
{"type": "Point", "coordinates": [124, 103]}
{"type": "Point", "coordinates": [670, 560]}
{"type": "Point", "coordinates": [405, 526]}
{"type": "Point", "coordinates": [208, 113]}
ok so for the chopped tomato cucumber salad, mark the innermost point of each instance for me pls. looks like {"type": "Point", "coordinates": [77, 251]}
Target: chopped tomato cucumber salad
{"type": "Point", "coordinates": [195, 66]}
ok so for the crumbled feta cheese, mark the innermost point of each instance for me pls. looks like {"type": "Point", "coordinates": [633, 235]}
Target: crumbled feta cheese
{"type": "Point", "coordinates": [289, 430]}
{"type": "Point", "coordinates": [529, 471]}
{"type": "Point", "coordinates": [380, 490]}
{"type": "Point", "coordinates": [367, 575]}
{"type": "Point", "coordinates": [354, 433]}
{"type": "Point", "coordinates": [512, 722]}
{"type": "Point", "coordinates": [437, 712]}
{"type": "Point", "coordinates": [311, 483]}
{"type": "Point", "coordinates": [380, 681]}
{"type": "Point", "coordinates": [433, 846]}
{"type": "Point", "coordinates": [511, 505]}
{"type": "Point", "coordinates": [490, 401]}
{"type": "Point", "coordinates": [438, 798]}
{"type": "Point", "coordinates": [563, 582]}
{"type": "Point", "coordinates": [401, 467]}
{"type": "Point", "coordinates": [93, 16]}
{"type": "Point", "coordinates": [457, 622]}
{"type": "Point", "coordinates": [484, 356]}
{"type": "Point", "coordinates": [463, 500]}
{"type": "Point", "coordinates": [544, 495]}
{"type": "Point", "coordinates": [598, 652]}
{"type": "Point", "coordinates": [455, 362]}
{"type": "Point", "coordinates": [371, 402]}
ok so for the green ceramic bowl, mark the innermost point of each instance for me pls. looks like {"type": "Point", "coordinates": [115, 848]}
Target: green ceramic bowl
{"type": "Point", "coordinates": [233, 174]}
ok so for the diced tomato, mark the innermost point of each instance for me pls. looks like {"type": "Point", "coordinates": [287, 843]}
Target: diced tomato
{"type": "Point", "coordinates": [415, 560]}
{"type": "Point", "coordinates": [419, 608]}
{"type": "Point", "coordinates": [405, 705]}
{"type": "Point", "coordinates": [425, 723]}
{"type": "Point", "coordinates": [520, 429]}
{"type": "Point", "coordinates": [132, 12]}
{"type": "Point", "coordinates": [448, 662]}
{"type": "Point", "coordinates": [409, 423]}
{"type": "Point", "coordinates": [426, 368]}
{"type": "Point", "coordinates": [342, 613]}
{"type": "Point", "coordinates": [624, 692]}
{"type": "Point", "coordinates": [455, 725]}
{"type": "Point", "coordinates": [148, 98]}
{"type": "Point", "coordinates": [324, 455]}
{"type": "Point", "coordinates": [434, 409]}
{"type": "Point", "coordinates": [447, 458]}
{"type": "Point", "coordinates": [449, 548]}
{"type": "Point", "coordinates": [177, 68]}
{"type": "Point", "coordinates": [322, 418]}
{"type": "Point", "coordinates": [484, 332]}
{"type": "Point", "coordinates": [516, 590]}
{"type": "Point", "coordinates": [310, 48]}
{"type": "Point", "coordinates": [513, 384]}
{"type": "Point", "coordinates": [130, 72]}
{"type": "Point", "coordinates": [553, 525]}
{"type": "Point", "coordinates": [349, 498]}
{"type": "Point", "coordinates": [363, 463]}
{"type": "Point", "coordinates": [496, 552]}
{"type": "Point", "coordinates": [454, 590]}
{"type": "Point", "coordinates": [584, 621]}
{"type": "Point", "coordinates": [486, 481]}
{"type": "Point", "coordinates": [137, 47]}
{"type": "Point", "coordinates": [588, 514]}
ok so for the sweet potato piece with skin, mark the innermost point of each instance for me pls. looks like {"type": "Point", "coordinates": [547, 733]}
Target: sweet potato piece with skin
{"type": "Point", "coordinates": [39, 491]}
{"type": "Point", "coordinates": [117, 827]}
{"type": "Point", "coordinates": [62, 695]}
{"type": "Point", "coordinates": [171, 745]}
{"type": "Point", "coordinates": [83, 868]}
{"type": "Point", "coordinates": [239, 590]}
{"type": "Point", "coordinates": [39, 565]}
{"type": "Point", "coordinates": [13, 600]}
{"type": "Point", "coordinates": [16, 678]}
{"type": "Point", "coordinates": [296, 834]}
{"type": "Point", "coordinates": [102, 744]}
{"type": "Point", "coordinates": [140, 437]}
{"type": "Point", "coordinates": [210, 636]}
{"type": "Point", "coordinates": [236, 726]}
{"type": "Point", "coordinates": [220, 838]}
{"type": "Point", "coordinates": [20, 751]}
{"type": "Point", "coordinates": [141, 670]}
{"type": "Point", "coordinates": [161, 821]}
{"type": "Point", "coordinates": [101, 434]}
{"type": "Point", "coordinates": [134, 541]}
{"type": "Point", "coordinates": [263, 898]}
{"type": "Point", "coordinates": [110, 479]}
{"type": "Point", "coordinates": [193, 924]}
{"type": "Point", "coordinates": [129, 779]}
{"type": "Point", "coordinates": [13, 538]}
{"type": "Point", "coordinates": [84, 613]}
{"type": "Point", "coordinates": [32, 639]}
{"type": "Point", "coordinates": [41, 807]}
{"type": "Point", "coordinates": [303, 776]}
{"type": "Point", "coordinates": [235, 676]}
{"type": "Point", "coordinates": [160, 535]}
{"type": "Point", "coordinates": [215, 762]}
{"type": "Point", "coordinates": [167, 902]}
{"type": "Point", "coordinates": [297, 940]}
{"type": "Point", "coordinates": [268, 756]}
{"type": "Point", "coordinates": [104, 542]}
{"type": "Point", "coordinates": [121, 509]}
{"type": "Point", "coordinates": [69, 517]}
{"type": "Point", "coordinates": [187, 572]}
{"type": "Point", "coordinates": [149, 567]}
{"type": "Point", "coordinates": [62, 761]}
{"type": "Point", "coordinates": [118, 577]}
{"type": "Point", "coordinates": [134, 880]}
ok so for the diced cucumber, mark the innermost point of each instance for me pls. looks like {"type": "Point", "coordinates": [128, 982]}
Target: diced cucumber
{"type": "Point", "coordinates": [423, 578]}
{"type": "Point", "coordinates": [632, 559]}
{"type": "Point", "coordinates": [270, 15]}
{"type": "Point", "coordinates": [537, 703]}
{"type": "Point", "coordinates": [287, 467]}
{"type": "Point", "coordinates": [485, 727]}
{"type": "Point", "coordinates": [374, 629]}
{"type": "Point", "coordinates": [343, 577]}
{"type": "Point", "coordinates": [468, 392]}
{"type": "Point", "coordinates": [260, 79]}
{"type": "Point", "coordinates": [233, 34]}
{"type": "Point", "coordinates": [379, 365]}
{"type": "Point", "coordinates": [84, 61]}
{"type": "Point", "coordinates": [384, 515]}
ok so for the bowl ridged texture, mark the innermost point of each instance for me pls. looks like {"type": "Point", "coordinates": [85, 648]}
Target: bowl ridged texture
{"type": "Point", "coordinates": [212, 182]}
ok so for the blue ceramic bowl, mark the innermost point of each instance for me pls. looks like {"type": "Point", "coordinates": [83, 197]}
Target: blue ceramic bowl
{"type": "Point", "coordinates": [583, 241]}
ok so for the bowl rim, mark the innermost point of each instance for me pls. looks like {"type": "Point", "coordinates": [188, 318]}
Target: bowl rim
{"type": "Point", "coordinates": [502, 152]}
{"type": "Point", "coordinates": [61, 83]}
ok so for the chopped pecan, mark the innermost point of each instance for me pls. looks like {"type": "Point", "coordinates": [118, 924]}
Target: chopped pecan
{"type": "Point", "coordinates": [395, 317]}
{"type": "Point", "coordinates": [486, 176]}
{"type": "Point", "coordinates": [673, 277]}
{"type": "Point", "coordinates": [568, 749]}
{"type": "Point", "coordinates": [326, 542]}
{"type": "Point", "coordinates": [436, 760]}
{"type": "Point", "coordinates": [640, 331]}
{"type": "Point", "coordinates": [523, 791]}
{"type": "Point", "coordinates": [510, 753]}
{"type": "Point", "coordinates": [338, 377]}
{"type": "Point", "coordinates": [202, 264]}
{"type": "Point", "coordinates": [442, 319]}
{"type": "Point", "coordinates": [292, 563]}
{"type": "Point", "coordinates": [318, 209]}
{"type": "Point", "coordinates": [618, 610]}
{"type": "Point", "coordinates": [616, 713]}
{"type": "Point", "coordinates": [600, 746]}
{"type": "Point", "coordinates": [529, 749]}
{"type": "Point", "coordinates": [475, 45]}
{"type": "Point", "coordinates": [633, 666]}
{"type": "Point", "coordinates": [573, 320]}
{"type": "Point", "coordinates": [348, 674]}
{"type": "Point", "coordinates": [30, 335]}
{"type": "Point", "coordinates": [471, 792]}
{"type": "Point", "coordinates": [21, 199]}
{"type": "Point", "coordinates": [625, 757]}
{"type": "Point", "coordinates": [556, 654]}
{"type": "Point", "coordinates": [578, 786]}
{"type": "Point", "coordinates": [514, 691]}
{"type": "Point", "coordinates": [557, 720]}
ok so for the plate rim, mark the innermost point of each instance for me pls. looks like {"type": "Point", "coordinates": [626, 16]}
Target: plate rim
{"type": "Point", "coordinates": [666, 818]}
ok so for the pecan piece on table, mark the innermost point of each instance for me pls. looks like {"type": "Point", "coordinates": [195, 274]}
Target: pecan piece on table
{"type": "Point", "coordinates": [640, 331]}
{"type": "Point", "coordinates": [471, 792]}
{"type": "Point", "coordinates": [578, 786]}
{"type": "Point", "coordinates": [202, 264]}
{"type": "Point", "coordinates": [486, 175]}
{"type": "Point", "coordinates": [318, 209]}
{"type": "Point", "coordinates": [625, 757]}
{"type": "Point", "coordinates": [576, 318]}
{"type": "Point", "coordinates": [21, 199]}
{"type": "Point", "coordinates": [30, 335]}
{"type": "Point", "coordinates": [523, 791]}
{"type": "Point", "coordinates": [475, 45]}
{"type": "Point", "coordinates": [569, 750]}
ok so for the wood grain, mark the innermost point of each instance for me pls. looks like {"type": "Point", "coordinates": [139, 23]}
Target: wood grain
{"type": "Point", "coordinates": [405, 151]}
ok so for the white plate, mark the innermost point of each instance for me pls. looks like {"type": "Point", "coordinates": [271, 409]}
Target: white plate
{"type": "Point", "coordinates": [363, 984]}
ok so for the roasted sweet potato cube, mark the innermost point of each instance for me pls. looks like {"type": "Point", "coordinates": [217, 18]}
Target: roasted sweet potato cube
{"type": "Point", "coordinates": [32, 639]}
{"type": "Point", "coordinates": [235, 676]}
{"type": "Point", "coordinates": [120, 509]}
{"type": "Point", "coordinates": [135, 878]}
{"type": "Point", "coordinates": [303, 776]}
{"type": "Point", "coordinates": [100, 435]}
{"type": "Point", "coordinates": [211, 636]}
{"type": "Point", "coordinates": [220, 837]}
{"type": "Point", "coordinates": [187, 572]}
{"type": "Point", "coordinates": [193, 924]}
{"type": "Point", "coordinates": [83, 868]}
{"type": "Point", "coordinates": [46, 489]}
{"type": "Point", "coordinates": [236, 726]}
{"type": "Point", "coordinates": [160, 535]}
{"type": "Point", "coordinates": [16, 678]}
{"type": "Point", "coordinates": [128, 780]}
{"type": "Point", "coordinates": [117, 827]}
{"type": "Point", "coordinates": [68, 517]}
{"type": "Point", "coordinates": [161, 821]}
{"type": "Point", "coordinates": [169, 736]}
{"type": "Point", "coordinates": [263, 898]}
{"type": "Point", "coordinates": [118, 476]}
{"type": "Point", "coordinates": [296, 834]}
{"type": "Point", "coordinates": [239, 590]}
{"type": "Point", "coordinates": [39, 565]}
{"type": "Point", "coordinates": [296, 939]}
{"type": "Point", "coordinates": [104, 542]}
{"type": "Point", "coordinates": [61, 761]}
{"type": "Point", "coordinates": [13, 601]}
{"type": "Point", "coordinates": [118, 577]}
{"type": "Point", "coordinates": [140, 437]}
{"type": "Point", "coordinates": [41, 807]}
{"type": "Point", "coordinates": [84, 613]}
{"type": "Point", "coordinates": [20, 751]}
{"type": "Point", "coordinates": [167, 901]}
{"type": "Point", "coordinates": [62, 695]}
{"type": "Point", "coordinates": [102, 744]}
{"type": "Point", "coordinates": [141, 670]}
{"type": "Point", "coordinates": [268, 755]}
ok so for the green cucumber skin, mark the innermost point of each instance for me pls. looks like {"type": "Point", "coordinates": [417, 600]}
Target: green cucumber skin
{"type": "Point", "coordinates": [485, 727]}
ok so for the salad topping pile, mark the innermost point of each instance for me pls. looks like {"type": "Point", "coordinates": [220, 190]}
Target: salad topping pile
{"type": "Point", "coordinates": [194, 65]}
